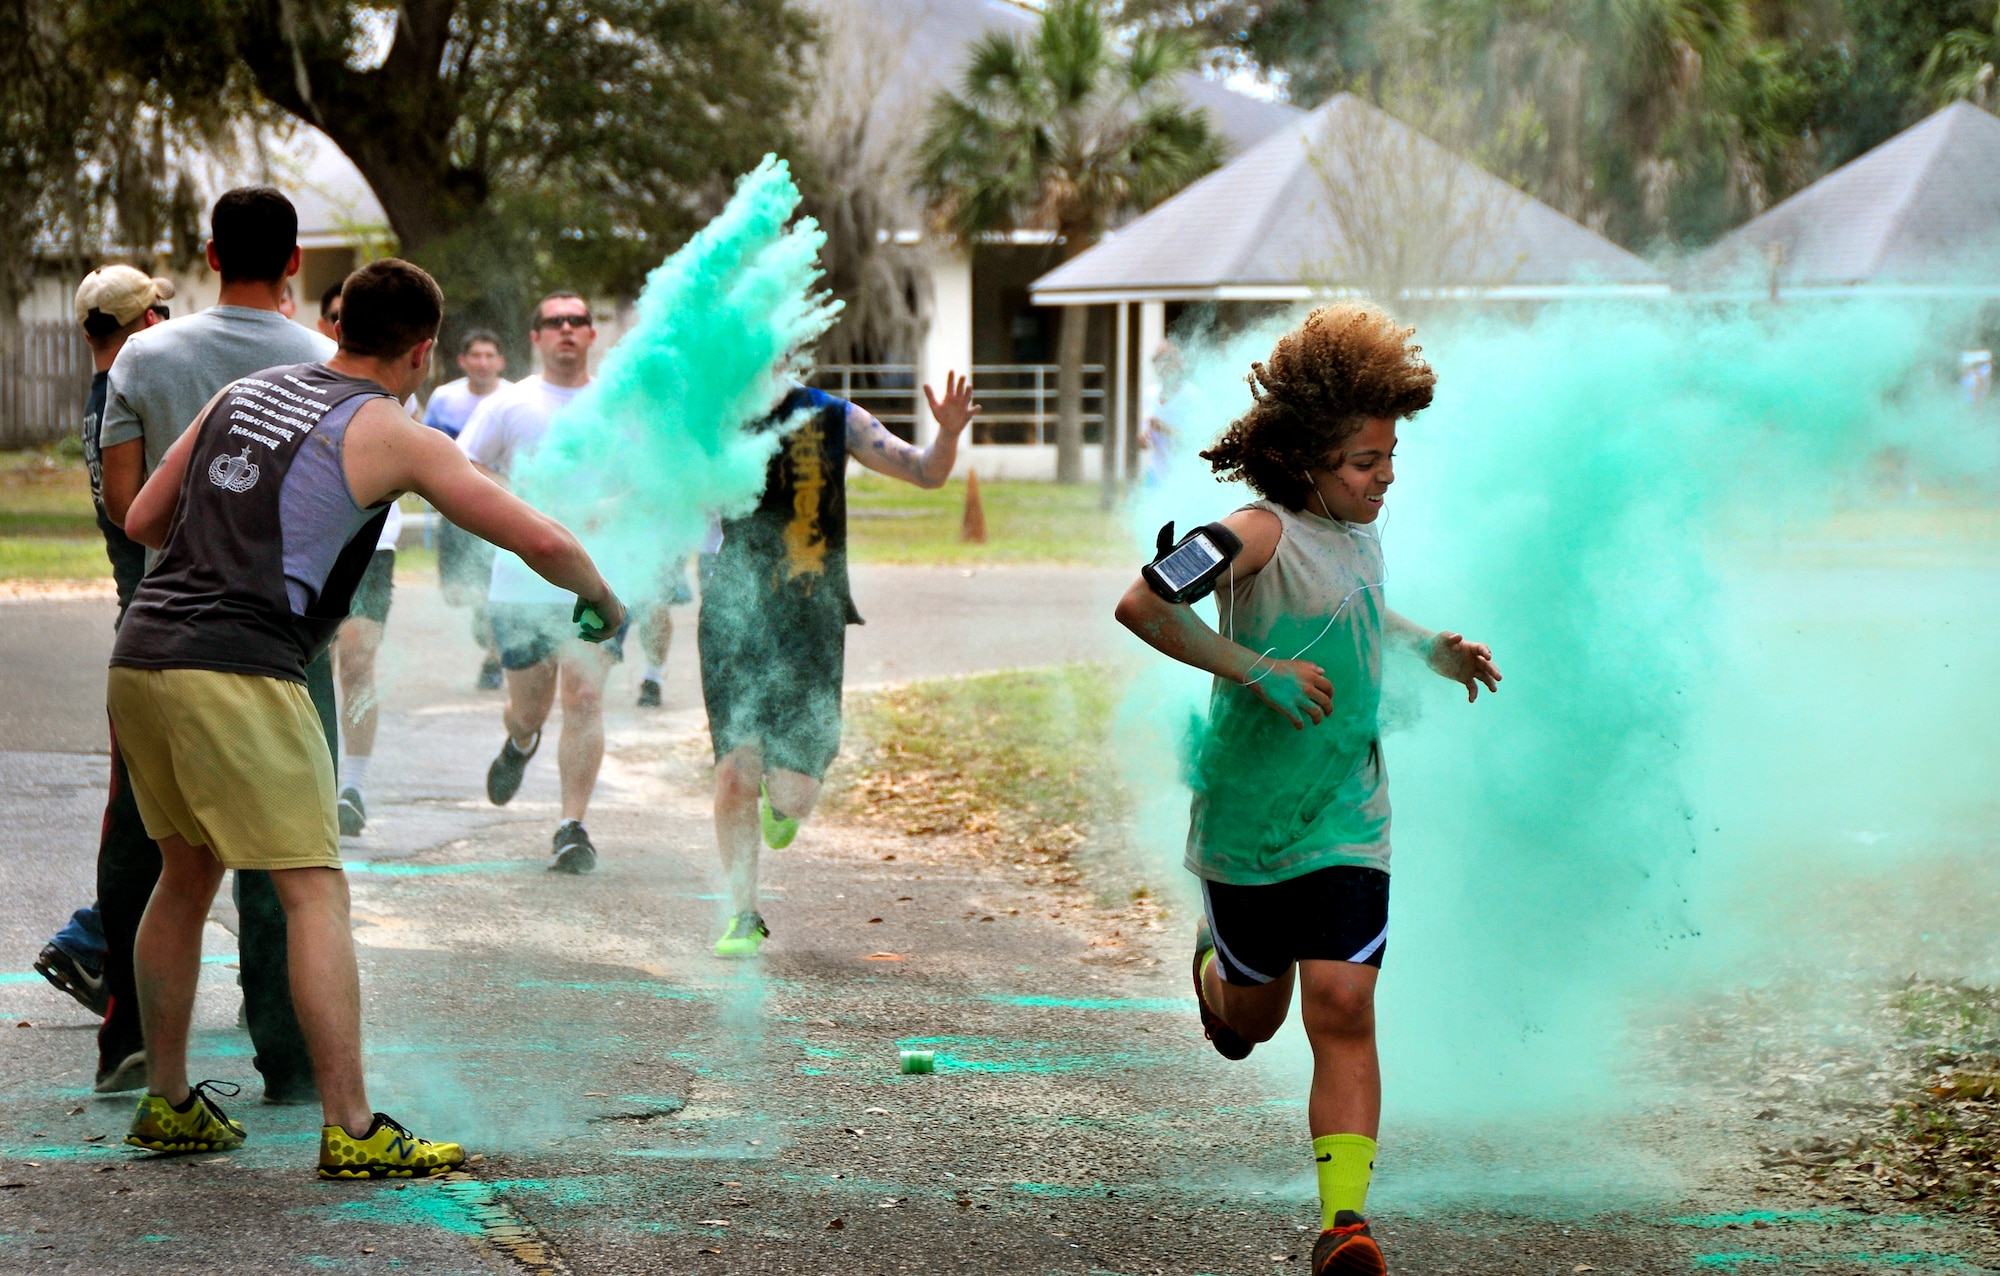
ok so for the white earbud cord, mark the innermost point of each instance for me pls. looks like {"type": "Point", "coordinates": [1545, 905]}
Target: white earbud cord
{"type": "Point", "coordinates": [1264, 655]}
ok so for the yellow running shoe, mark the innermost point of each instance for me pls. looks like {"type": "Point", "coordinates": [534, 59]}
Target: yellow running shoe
{"type": "Point", "coordinates": [779, 830]}
{"type": "Point", "coordinates": [387, 1151]}
{"type": "Point", "coordinates": [197, 1126]}
{"type": "Point", "coordinates": [746, 934]}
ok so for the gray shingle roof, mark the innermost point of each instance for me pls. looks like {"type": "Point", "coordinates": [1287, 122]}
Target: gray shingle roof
{"type": "Point", "coordinates": [1922, 210]}
{"type": "Point", "coordinates": [1263, 226]}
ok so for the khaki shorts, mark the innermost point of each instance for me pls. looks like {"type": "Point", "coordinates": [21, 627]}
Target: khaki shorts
{"type": "Point", "coordinates": [235, 762]}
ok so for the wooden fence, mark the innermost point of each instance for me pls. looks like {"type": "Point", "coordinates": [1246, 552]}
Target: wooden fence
{"type": "Point", "coordinates": [44, 380]}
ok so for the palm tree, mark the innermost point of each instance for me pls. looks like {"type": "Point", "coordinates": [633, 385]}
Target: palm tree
{"type": "Point", "coordinates": [1960, 66]}
{"type": "Point", "coordinates": [1063, 132]}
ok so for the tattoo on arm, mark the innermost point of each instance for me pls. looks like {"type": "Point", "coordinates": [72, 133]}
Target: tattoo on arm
{"type": "Point", "coordinates": [866, 434]}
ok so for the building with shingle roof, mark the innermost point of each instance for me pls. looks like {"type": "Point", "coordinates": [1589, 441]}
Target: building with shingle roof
{"type": "Point", "coordinates": [1281, 223]}
{"type": "Point", "coordinates": [1918, 215]}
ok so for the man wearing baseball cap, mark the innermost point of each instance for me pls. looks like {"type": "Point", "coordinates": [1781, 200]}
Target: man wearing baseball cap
{"type": "Point", "coordinates": [111, 305]}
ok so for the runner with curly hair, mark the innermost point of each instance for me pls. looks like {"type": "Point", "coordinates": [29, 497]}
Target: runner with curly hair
{"type": "Point", "coordinates": [1289, 831]}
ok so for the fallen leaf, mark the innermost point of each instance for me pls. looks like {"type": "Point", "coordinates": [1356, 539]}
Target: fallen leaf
{"type": "Point", "coordinates": [367, 1249]}
{"type": "Point", "coordinates": [715, 1222]}
{"type": "Point", "coordinates": [824, 1023]}
{"type": "Point", "coordinates": [595, 1094]}
{"type": "Point", "coordinates": [884, 957]}
{"type": "Point", "coordinates": [76, 1111]}
{"type": "Point", "coordinates": [478, 1157]}
{"type": "Point", "coordinates": [33, 1165]}
{"type": "Point", "coordinates": [834, 1226]}
{"type": "Point", "coordinates": [873, 920]}
{"type": "Point", "coordinates": [1583, 1267]}
{"type": "Point", "coordinates": [875, 1112]}
{"type": "Point", "coordinates": [94, 1138]}
{"type": "Point", "coordinates": [711, 1251]}
{"type": "Point", "coordinates": [25, 1024]}
{"type": "Point", "coordinates": [846, 1129]}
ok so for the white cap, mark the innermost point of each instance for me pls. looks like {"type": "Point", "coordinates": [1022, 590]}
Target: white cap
{"type": "Point", "coordinates": [121, 292]}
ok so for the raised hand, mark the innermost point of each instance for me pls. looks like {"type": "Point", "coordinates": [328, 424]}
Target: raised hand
{"type": "Point", "coordinates": [1296, 688]}
{"type": "Point", "coordinates": [955, 411]}
{"type": "Point", "coordinates": [1466, 663]}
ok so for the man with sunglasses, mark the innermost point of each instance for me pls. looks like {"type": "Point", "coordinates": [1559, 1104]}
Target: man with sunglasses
{"type": "Point", "coordinates": [532, 622]}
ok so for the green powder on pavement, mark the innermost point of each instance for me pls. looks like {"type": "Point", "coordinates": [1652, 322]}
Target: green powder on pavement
{"type": "Point", "coordinates": [1696, 735]}
{"type": "Point", "coordinates": [655, 445]}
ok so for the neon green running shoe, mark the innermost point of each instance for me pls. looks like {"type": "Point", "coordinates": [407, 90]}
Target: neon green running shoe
{"type": "Point", "coordinates": [747, 932]}
{"type": "Point", "coordinates": [198, 1126]}
{"type": "Point", "coordinates": [387, 1151]}
{"type": "Point", "coordinates": [778, 830]}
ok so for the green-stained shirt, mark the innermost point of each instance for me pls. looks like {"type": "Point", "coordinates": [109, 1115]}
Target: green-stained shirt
{"type": "Point", "coordinates": [1272, 802]}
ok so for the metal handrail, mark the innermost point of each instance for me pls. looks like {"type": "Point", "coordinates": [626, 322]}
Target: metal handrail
{"type": "Point", "coordinates": [1014, 395]}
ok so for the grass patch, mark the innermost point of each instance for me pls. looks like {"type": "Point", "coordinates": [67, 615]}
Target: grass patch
{"type": "Point", "coordinates": [48, 527]}
{"type": "Point", "coordinates": [893, 522]}
{"type": "Point", "coordinates": [1019, 763]}
{"type": "Point", "coordinates": [45, 493]}
{"type": "Point", "coordinates": [53, 558]}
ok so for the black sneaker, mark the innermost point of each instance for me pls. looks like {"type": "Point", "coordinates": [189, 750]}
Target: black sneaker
{"type": "Point", "coordinates": [1227, 1042]}
{"type": "Point", "coordinates": [73, 977]}
{"type": "Point", "coordinates": [352, 812]}
{"type": "Point", "coordinates": [503, 778]}
{"type": "Point", "coordinates": [573, 853]}
{"type": "Point", "coordinates": [649, 694]}
{"type": "Point", "coordinates": [489, 675]}
{"type": "Point", "coordinates": [128, 1073]}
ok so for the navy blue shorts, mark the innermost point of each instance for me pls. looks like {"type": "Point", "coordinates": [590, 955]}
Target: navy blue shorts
{"type": "Point", "coordinates": [1332, 914]}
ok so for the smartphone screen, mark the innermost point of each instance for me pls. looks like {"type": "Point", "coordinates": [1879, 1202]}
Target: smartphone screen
{"type": "Point", "coordinates": [1185, 565]}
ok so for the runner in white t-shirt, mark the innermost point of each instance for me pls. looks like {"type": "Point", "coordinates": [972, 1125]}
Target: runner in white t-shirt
{"type": "Point", "coordinates": [465, 563]}
{"type": "Point", "coordinates": [532, 623]}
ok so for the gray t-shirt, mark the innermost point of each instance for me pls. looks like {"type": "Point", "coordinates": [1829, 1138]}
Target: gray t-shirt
{"type": "Point", "coordinates": [165, 375]}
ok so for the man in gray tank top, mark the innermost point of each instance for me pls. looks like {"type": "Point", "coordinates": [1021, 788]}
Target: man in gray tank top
{"type": "Point", "coordinates": [265, 514]}
{"type": "Point", "coordinates": [158, 385]}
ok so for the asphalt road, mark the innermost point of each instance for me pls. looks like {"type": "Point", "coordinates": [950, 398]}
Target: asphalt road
{"type": "Point", "coordinates": [640, 1106]}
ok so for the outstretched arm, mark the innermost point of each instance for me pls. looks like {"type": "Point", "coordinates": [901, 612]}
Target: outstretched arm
{"type": "Point", "coordinates": [869, 441]}
{"type": "Point", "coordinates": [1449, 655]}
{"type": "Point", "coordinates": [388, 454]}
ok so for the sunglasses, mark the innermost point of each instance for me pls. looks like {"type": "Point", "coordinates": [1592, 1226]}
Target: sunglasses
{"type": "Point", "coordinates": [564, 321]}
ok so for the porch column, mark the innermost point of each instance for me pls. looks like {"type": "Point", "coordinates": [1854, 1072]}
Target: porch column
{"type": "Point", "coordinates": [948, 344]}
{"type": "Point", "coordinates": [1152, 331]}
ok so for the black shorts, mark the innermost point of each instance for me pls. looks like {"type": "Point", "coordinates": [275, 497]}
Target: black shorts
{"type": "Point", "coordinates": [526, 634]}
{"type": "Point", "coordinates": [377, 587]}
{"type": "Point", "coordinates": [773, 682]}
{"type": "Point", "coordinates": [1333, 914]}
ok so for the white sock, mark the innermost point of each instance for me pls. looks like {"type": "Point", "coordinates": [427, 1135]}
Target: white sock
{"type": "Point", "coordinates": [353, 772]}
{"type": "Point", "coordinates": [654, 673]}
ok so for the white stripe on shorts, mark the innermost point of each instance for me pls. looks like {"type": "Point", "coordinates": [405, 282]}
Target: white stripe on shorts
{"type": "Point", "coordinates": [1373, 944]}
{"type": "Point", "coordinates": [1208, 906]}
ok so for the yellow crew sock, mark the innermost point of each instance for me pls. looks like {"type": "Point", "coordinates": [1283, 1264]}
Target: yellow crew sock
{"type": "Point", "coordinates": [1346, 1163]}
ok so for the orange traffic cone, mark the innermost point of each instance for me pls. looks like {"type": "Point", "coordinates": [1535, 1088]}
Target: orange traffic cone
{"type": "Point", "coordinates": [973, 529]}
